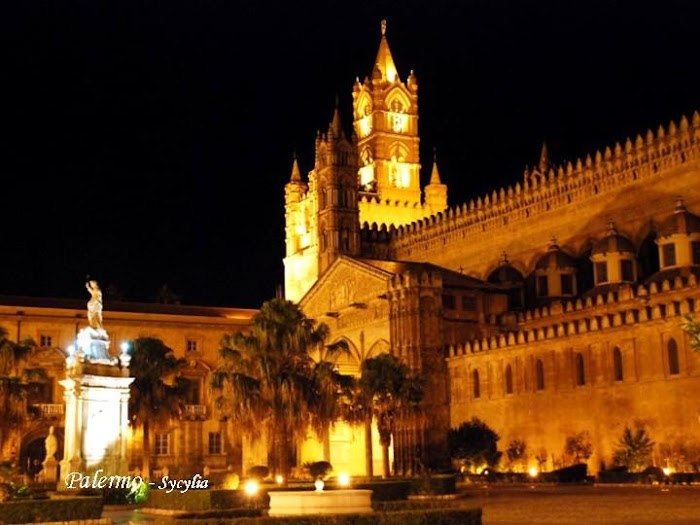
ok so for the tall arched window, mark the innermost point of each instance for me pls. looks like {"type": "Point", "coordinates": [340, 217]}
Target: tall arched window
{"type": "Point", "coordinates": [476, 385]}
{"type": "Point", "coordinates": [580, 370]}
{"type": "Point", "coordinates": [324, 199]}
{"type": "Point", "coordinates": [673, 364]}
{"type": "Point", "coordinates": [617, 364]}
{"type": "Point", "coordinates": [324, 239]}
{"type": "Point", "coordinates": [539, 374]}
{"type": "Point", "coordinates": [509, 380]}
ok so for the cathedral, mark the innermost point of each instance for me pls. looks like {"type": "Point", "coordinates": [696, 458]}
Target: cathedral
{"type": "Point", "coordinates": [547, 308]}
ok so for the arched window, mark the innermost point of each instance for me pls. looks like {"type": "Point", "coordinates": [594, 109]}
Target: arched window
{"type": "Point", "coordinates": [617, 364]}
{"type": "Point", "coordinates": [324, 198]}
{"type": "Point", "coordinates": [475, 384]}
{"type": "Point", "coordinates": [580, 370]}
{"type": "Point", "coordinates": [539, 374]}
{"type": "Point", "coordinates": [673, 365]}
{"type": "Point", "coordinates": [509, 380]}
{"type": "Point", "coordinates": [324, 239]}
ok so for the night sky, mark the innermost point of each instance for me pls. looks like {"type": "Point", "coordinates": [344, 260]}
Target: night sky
{"type": "Point", "coordinates": [149, 142]}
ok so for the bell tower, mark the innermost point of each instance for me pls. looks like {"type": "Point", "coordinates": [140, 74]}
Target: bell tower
{"type": "Point", "coordinates": [385, 113]}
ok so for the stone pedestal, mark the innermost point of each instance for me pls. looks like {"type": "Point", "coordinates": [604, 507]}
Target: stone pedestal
{"type": "Point", "coordinates": [304, 503]}
{"type": "Point", "coordinates": [49, 472]}
{"type": "Point", "coordinates": [97, 408]}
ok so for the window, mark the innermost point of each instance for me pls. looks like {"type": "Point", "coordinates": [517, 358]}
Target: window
{"type": "Point", "coordinates": [580, 370]}
{"type": "Point", "coordinates": [448, 301]}
{"type": "Point", "coordinates": [542, 288]}
{"type": "Point", "coordinates": [469, 303]}
{"type": "Point", "coordinates": [191, 345]}
{"type": "Point", "coordinates": [567, 284]}
{"type": "Point", "coordinates": [601, 272]}
{"type": "Point", "coordinates": [162, 444]}
{"type": "Point", "coordinates": [509, 380]}
{"type": "Point", "coordinates": [695, 249]}
{"type": "Point", "coordinates": [669, 254]}
{"type": "Point", "coordinates": [475, 384]}
{"type": "Point", "coordinates": [627, 270]}
{"type": "Point", "coordinates": [45, 340]}
{"type": "Point", "coordinates": [324, 197]}
{"type": "Point", "coordinates": [215, 443]}
{"type": "Point", "coordinates": [539, 374]}
{"type": "Point", "coordinates": [617, 364]}
{"type": "Point", "coordinates": [324, 240]}
{"type": "Point", "coordinates": [673, 365]}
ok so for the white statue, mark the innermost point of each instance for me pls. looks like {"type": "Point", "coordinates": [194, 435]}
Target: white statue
{"type": "Point", "coordinates": [51, 444]}
{"type": "Point", "coordinates": [94, 305]}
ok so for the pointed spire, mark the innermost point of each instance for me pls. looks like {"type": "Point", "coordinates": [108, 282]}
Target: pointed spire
{"type": "Point", "coordinates": [384, 61]}
{"type": "Point", "coordinates": [544, 163]}
{"type": "Point", "coordinates": [435, 174]}
{"type": "Point", "coordinates": [335, 127]}
{"type": "Point", "coordinates": [296, 172]}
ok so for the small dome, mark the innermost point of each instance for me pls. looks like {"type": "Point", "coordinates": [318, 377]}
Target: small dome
{"type": "Point", "coordinates": [505, 273]}
{"type": "Point", "coordinates": [682, 221]}
{"type": "Point", "coordinates": [613, 242]}
{"type": "Point", "coordinates": [555, 258]}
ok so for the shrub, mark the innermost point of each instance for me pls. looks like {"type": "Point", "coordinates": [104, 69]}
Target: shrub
{"type": "Point", "coordinates": [319, 469]}
{"type": "Point", "coordinates": [516, 451]}
{"type": "Point", "coordinates": [259, 472]}
{"type": "Point", "coordinates": [231, 481]}
{"type": "Point", "coordinates": [386, 490]}
{"type": "Point", "coordinates": [634, 450]}
{"type": "Point", "coordinates": [440, 484]}
{"type": "Point", "coordinates": [474, 444]}
{"type": "Point", "coordinates": [579, 446]}
{"type": "Point", "coordinates": [197, 500]}
{"type": "Point", "coordinates": [573, 474]}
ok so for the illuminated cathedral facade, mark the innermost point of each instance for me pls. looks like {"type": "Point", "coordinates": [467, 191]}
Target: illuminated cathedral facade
{"type": "Point", "coordinates": [547, 308]}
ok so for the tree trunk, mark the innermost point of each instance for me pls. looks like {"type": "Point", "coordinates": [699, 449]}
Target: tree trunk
{"type": "Point", "coordinates": [369, 459]}
{"type": "Point", "coordinates": [283, 458]}
{"type": "Point", "coordinates": [385, 461]}
{"type": "Point", "coordinates": [146, 452]}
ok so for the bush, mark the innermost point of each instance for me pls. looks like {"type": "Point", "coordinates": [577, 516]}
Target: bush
{"type": "Point", "coordinates": [474, 444]}
{"type": "Point", "coordinates": [392, 490]}
{"type": "Point", "coordinates": [59, 509]}
{"type": "Point", "coordinates": [319, 469]}
{"type": "Point", "coordinates": [572, 474]}
{"type": "Point", "coordinates": [259, 472]}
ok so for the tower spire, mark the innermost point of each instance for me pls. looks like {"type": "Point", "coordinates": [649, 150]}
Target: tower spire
{"type": "Point", "coordinates": [335, 127]}
{"type": "Point", "coordinates": [544, 163]}
{"type": "Point", "coordinates": [384, 61]}
{"type": "Point", "coordinates": [435, 174]}
{"type": "Point", "coordinates": [296, 173]}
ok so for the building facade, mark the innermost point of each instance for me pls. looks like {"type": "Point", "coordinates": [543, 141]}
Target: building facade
{"type": "Point", "coordinates": [546, 308]}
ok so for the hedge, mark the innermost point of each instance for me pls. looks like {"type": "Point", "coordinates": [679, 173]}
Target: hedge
{"type": "Point", "coordinates": [59, 509]}
{"type": "Point", "coordinates": [440, 484]}
{"type": "Point", "coordinates": [390, 490]}
{"type": "Point", "coordinates": [408, 517]}
{"type": "Point", "coordinates": [194, 500]}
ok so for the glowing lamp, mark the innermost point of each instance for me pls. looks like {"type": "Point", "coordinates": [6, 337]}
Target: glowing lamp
{"type": "Point", "coordinates": [124, 346]}
{"type": "Point", "coordinates": [319, 485]}
{"type": "Point", "coordinates": [71, 349]}
{"type": "Point", "coordinates": [279, 479]}
{"type": "Point", "coordinates": [251, 488]}
{"type": "Point", "coordinates": [667, 471]}
{"type": "Point", "coordinates": [343, 479]}
{"type": "Point", "coordinates": [533, 472]}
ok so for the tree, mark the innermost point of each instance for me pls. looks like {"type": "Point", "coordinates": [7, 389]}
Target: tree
{"type": "Point", "coordinates": [692, 327]}
{"type": "Point", "coordinates": [268, 379]}
{"type": "Point", "coordinates": [16, 382]}
{"type": "Point", "coordinates": [634, 450]}
{"type": "Point", "coordinates": [153, 400]}
{"type": "Point", "coordinates": [475, 444]}
{"type": "Point", "coordinates": [516, 451]}
{"type": "Point", "coordinates": [579, 446]}
{"type": "Point", "coordinates": [389, 393]}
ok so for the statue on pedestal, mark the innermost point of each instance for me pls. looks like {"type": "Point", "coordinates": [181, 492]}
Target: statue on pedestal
{"type": "Point", "coordinates": [51, 444]}
{"type": "Point", "coordinates": [48, 473]}
{"type": "Point", "coordinates": [93, 341]}
{"type": "Point", "coordinates": [94, 305]}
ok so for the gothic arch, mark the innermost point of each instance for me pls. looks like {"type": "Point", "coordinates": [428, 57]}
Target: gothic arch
{"type": "Point", "coordinates": [364, 105]}
{"type": "Point", "coordinates": [399, 150]}
{"type": "Point", "coordinates": [351, 358]}
{"type": "Point", "coordinates": [398, 95]}
{"type": "Point", "coordinates": [381, 346]}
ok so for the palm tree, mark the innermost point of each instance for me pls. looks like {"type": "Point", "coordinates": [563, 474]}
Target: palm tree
{"type": "Point", "coordinates": [16, 381]}
{"type": "Point", "coordinates": [153, 401]}
{"type": "Point", "coordinates": [634, 449]}
{"type": "Point", "coordinates": [390, 394]}
{"type": "Point", "coordinates": [267, 379]}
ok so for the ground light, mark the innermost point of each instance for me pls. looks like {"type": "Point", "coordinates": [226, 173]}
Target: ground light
{"type": "Point", "coordinates": [343, 479]}
{"type": "Point", "coordinates": [319, 485]}
{"type": "Point", "coordinates": [533, 472]}
{"type": "Point", "coordinates": [279, 479]}
{"type": "Point", "coordinates": [252, 487]}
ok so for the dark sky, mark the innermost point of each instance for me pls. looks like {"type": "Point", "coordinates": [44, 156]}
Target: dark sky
{"type": "Point", "coordinates": [148, 142]}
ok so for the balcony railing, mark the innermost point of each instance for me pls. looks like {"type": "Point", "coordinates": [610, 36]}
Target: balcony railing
{"type": "Point", "coordinates": [195, 411]}
{"type": "Point", "coordinates": [49, 410]}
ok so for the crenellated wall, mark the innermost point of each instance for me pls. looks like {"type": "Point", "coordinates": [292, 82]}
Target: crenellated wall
{"type": "Point", "coordinates": [635, 184]}
{"type": "Point", "coordinates": [639, 321]}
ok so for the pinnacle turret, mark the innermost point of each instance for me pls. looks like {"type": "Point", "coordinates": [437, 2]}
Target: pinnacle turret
{"type": "Point", "coordinates": [384, 61]}
{"type": "Point", "coordinates": [435, 174]}
{"type": "Point", "coordinates": [296, 172]}
{"type": "Point", "coordinates": [544, 163]}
